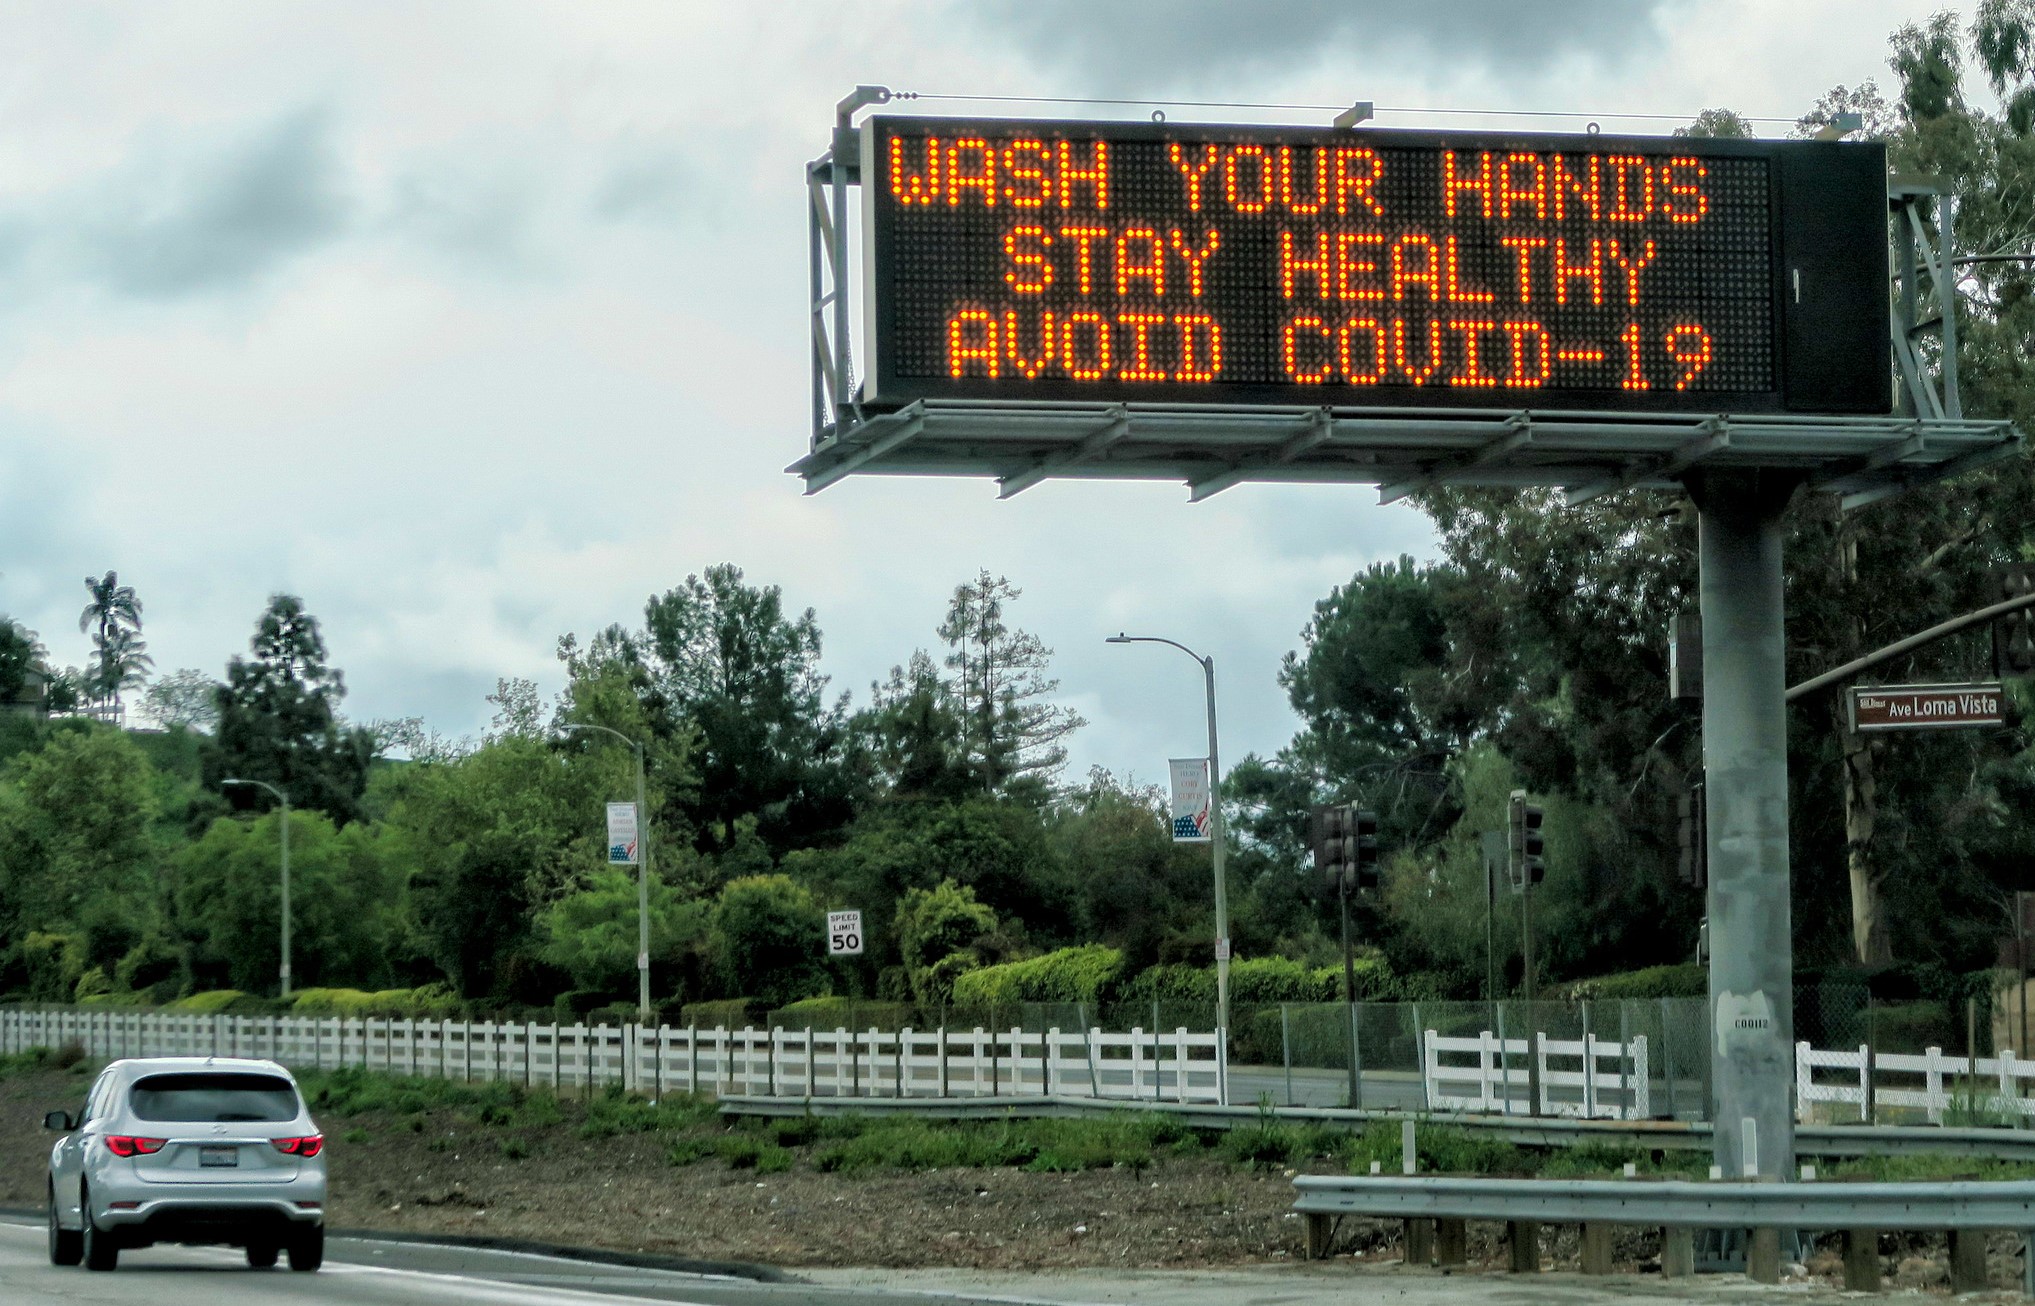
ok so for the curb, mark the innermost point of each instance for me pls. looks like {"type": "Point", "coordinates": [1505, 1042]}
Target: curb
{"type": "Point", "coordinates": [558, 1251]}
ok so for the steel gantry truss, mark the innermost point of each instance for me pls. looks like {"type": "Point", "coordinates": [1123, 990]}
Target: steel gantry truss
{"type": "Point", "coordinates": [1402, 451]}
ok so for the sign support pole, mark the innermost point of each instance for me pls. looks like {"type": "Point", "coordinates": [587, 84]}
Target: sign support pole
{"type": "Point", "coordinates": [1745, 758]}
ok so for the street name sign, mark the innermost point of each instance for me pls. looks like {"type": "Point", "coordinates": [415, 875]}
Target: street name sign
{"type": "Point", "coordinates": [1057, 260]}
{"type": "Point", "coordinates": [1926, 707]}
{"type": "Point", "coordinates": [844, 933]}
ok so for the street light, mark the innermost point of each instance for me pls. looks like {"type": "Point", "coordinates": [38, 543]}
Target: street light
{"type": "Point", "coordinates": [1215, 827]}
{"type": "Point", "coordinates": [642, 874]}
{"type": "Point", "coordinates": [284, 799]}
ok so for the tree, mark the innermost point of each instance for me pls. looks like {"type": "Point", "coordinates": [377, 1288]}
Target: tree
{"type": "Point", "coordinates": [772, 930]}
{"type": "Point", "coordinates": [278, 721]}
{"type": "Point", "coordinates": [1010, 732]}
{"type": "Point", "coordinates": [1719, 123]}
{"type": "Point", "coordinates": [22, 666]}
{"type": "Point", "coordinates": [937, 931]}
{"type": "Point", "coordinates": [75, 848]}
{"type": "Point", "coordinates": [344, 901]}
{"type": "Point", "coordinates": [120, 657]}
{"type": "Point", "coordinates": [493, 839]}
{"type": "Point", "coordinates": [912, 733]}
{"type": "Point", "coordinates": [186, 698]}
{"type": "Point", "coordinates": [592, 935]}
{"type": "Point", "coordinates": [730, 665]}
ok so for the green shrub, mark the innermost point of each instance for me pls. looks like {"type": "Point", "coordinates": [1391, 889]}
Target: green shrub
{"type": "Point", "coordinates": [729, 1013]}
{"type": "Point", "coordinates": [1085, 974]}
{"type": "Point", "coordinates": [1440, 1150]}
{"type": "Point", "coordinates": [1264, 1146]}
{"type": "Point", "coordinates": [793, 1131]}
{"type": "Point", "coordinates": [514, 1148]}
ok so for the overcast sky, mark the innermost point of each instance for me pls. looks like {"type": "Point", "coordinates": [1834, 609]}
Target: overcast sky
{"type": "Point", "coordinates": [477, 323]}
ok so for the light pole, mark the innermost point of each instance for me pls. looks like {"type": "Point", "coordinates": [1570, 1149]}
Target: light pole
{"type": "Point", "coordinates": [284, 799]}
{"type": "Point", "coordinates": [642, 874]}
{"type": "Point", "coordinates": [1215, 831]}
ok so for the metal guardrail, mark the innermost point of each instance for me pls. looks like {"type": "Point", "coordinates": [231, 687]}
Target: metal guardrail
{"type": "Point", "coordinates": [1662, 1135]}
{"type": "Point", "coordinates": [1675, 1203]}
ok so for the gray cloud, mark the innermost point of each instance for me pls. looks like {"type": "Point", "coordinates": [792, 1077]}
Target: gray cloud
{"type": "Point", "coordinates": [652, 188]}
{"type": "Point", "coordinates": [188, 226]}
{"type": "Point", "coordinates": [1129, 46]}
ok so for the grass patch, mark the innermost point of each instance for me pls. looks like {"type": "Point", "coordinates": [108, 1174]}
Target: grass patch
{"type": "Point", "coordinates": [31, 1061]}
{"type": "Point", "coordinates": [615, 1112]}
{"type": "Point", "coordinates": [1044, 1145]}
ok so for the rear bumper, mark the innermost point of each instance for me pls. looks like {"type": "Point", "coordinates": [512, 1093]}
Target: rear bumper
{"type": "Point", "coordinates": [237, 1222]}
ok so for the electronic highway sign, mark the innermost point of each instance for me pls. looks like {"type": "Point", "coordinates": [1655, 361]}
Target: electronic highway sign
{"type": "Point", "coordinates": [1011, 260]}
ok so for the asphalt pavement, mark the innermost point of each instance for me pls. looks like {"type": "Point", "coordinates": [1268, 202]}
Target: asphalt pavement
{"type": "Point", "coordinates": [366, 1272]}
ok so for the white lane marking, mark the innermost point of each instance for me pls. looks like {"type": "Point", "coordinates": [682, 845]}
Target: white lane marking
{"type": "Point", "coordinates": [468, 1288]}
{"type": "Point", "coordinates": [445, 1287]}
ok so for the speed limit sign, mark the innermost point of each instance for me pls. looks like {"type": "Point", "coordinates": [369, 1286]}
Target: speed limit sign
{"type": "Point", "coordinates": [844, 934]}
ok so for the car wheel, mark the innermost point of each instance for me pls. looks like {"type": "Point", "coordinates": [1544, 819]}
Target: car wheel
{"type": "Point", "coordinates": [66, 1246]}
{"type": "Point", "coordinates": [261, 1255]}
{"type": "Point", "coordinates": [307, 1249]}
{"type": "Point", "coordinates": [100, 1251]}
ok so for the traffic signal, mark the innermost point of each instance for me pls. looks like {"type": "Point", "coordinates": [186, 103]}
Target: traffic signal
{"type": "Point", "coordinates": [2014, 634]}
{"type": "Point", "coordinates": [1527, 860]}
{"type": "Point", "coordinates": [1695, 843]}
{"type": "Point", "coordinates": [1334, 851]}
{"type": "Point", "coordinates": [1365, 826]}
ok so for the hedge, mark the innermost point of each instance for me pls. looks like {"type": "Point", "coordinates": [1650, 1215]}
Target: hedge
{"type": "Point", "coordinates": [431, 1002]}
{"type": "Point", "coordinates": [730, 1013]}
{"type": "Point", "coordinates": [843, 1013]}
{"type": "Point", "coordinates": [1264, 980]}
{"type": "Point", "coordinates": [1085, 974]}
{"type": "Point", "coordinates": [1653, 982]}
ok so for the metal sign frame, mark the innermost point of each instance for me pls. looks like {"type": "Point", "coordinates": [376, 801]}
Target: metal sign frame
{"type": "Point", "coordinates": [1212, 447]}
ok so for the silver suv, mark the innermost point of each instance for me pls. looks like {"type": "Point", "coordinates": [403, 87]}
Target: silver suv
{"type": "Point", "coordinates": [188, 1150]}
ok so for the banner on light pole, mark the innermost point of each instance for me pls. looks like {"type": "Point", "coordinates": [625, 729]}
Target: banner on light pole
{"type": "Point", "coordinates": [1190, 799]}
{"type": "Point", "coordinates": [622, 836]}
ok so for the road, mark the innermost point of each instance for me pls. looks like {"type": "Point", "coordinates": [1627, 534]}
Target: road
{"type": "Point", "coordinates": [360, 1272]}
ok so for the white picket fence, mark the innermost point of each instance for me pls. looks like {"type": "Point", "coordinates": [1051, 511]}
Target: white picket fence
{"type": "Point", "coordinates": [1574, 1079]}
{"type": "Point", "coordinates": [1159, 1067]}
{"type": "Point", "coordinates": [2000, 1085]}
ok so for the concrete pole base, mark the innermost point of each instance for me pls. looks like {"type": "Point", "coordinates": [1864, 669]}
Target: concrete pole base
{"type": "Point", "coordinates": [1419, 1242]}
{"type": "Point", "coordinates": [1522, 1240]}
{"type": "Point", "coordinates": [1678, 1253]}
{"type": "Point", "coordinates": [1763, 1256]}
{"type": "Point", "coordinates": [1861, 1260]}
{"type": "Point", "coordinates": [1596, 1249]}
{"type": "Point", "coordinates": [1967, 1260]}
{"type": "Point", "coordinates": [1451, 1244]}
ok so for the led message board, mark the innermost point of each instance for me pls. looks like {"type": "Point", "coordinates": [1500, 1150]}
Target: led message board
{"type": "Point", "coordinates": [1132, 261]}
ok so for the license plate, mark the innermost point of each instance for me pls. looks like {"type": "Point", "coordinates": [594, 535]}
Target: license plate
{"type": "Point", "coordinates": [218, 1156]}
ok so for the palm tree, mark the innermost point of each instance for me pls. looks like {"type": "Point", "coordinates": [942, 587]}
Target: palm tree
{"type": "Point", "coordinates": [120, 654]}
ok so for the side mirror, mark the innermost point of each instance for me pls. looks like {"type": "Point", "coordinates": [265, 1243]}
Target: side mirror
{"type": "Point", "coordinates": [60, 1121]}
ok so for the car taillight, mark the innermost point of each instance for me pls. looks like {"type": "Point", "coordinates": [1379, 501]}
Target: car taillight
{"type": "Point", "coordinates": [127, 1145]}
{"type": "Point", "coordinates": [309, 1145]}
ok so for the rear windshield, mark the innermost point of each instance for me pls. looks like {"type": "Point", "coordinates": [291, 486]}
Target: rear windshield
{"type": "Point", "coordinates": [214, 1098]}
